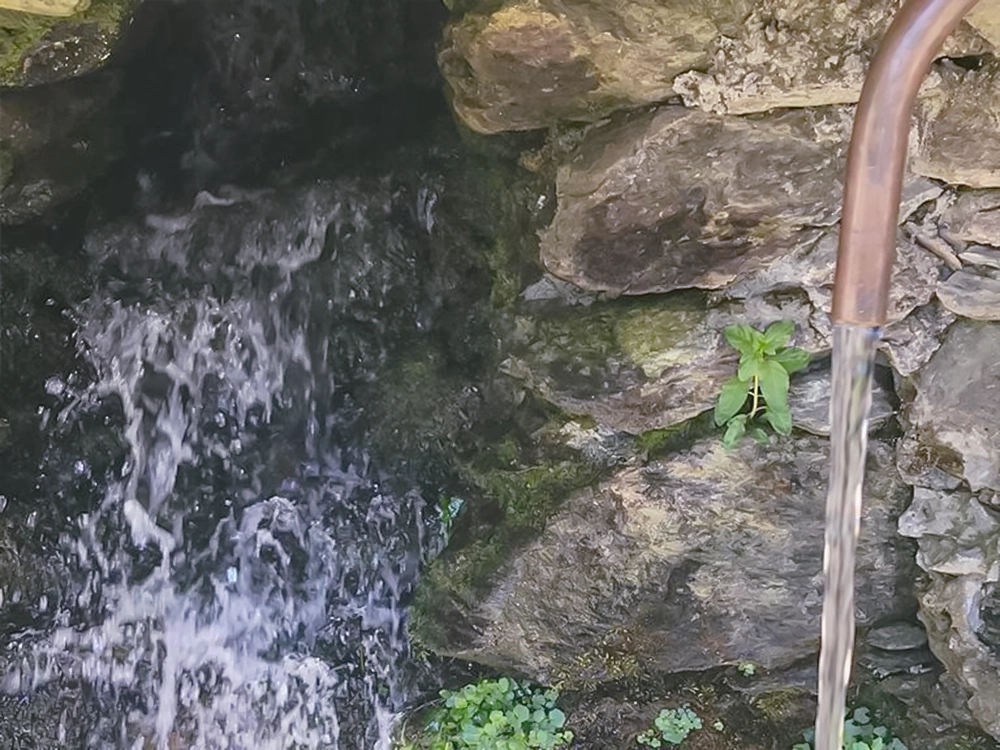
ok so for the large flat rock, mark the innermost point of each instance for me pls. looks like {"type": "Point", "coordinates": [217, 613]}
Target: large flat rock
{"type": "Point", "coordinates": [531, 63]}
{"type": "Point", "coordinates": [677, 198]}
{"type": "Point", "coordinates": [694, 561]}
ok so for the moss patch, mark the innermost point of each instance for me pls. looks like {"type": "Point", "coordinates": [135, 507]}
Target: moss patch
{"type": "Point", "coordinates": [22, 32]}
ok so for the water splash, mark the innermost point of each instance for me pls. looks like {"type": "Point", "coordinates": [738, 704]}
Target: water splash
{"type": "Point", "coordinates": [248, 570]}
{"type": "Point", "coordinates": [850, 402]}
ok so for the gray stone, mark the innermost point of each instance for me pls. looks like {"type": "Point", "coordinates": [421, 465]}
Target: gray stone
{"type": "Point", "coordinates": [971, 295]}
{"type": "Point", "coordinates": [809, 400]}
{"type": "Point", "coordinates": [702, 559]}
{"type": "Point", "coordinates": [638, 365]}
{"type": "Point", "coordinates": [959, 140]}
{"type": "Point", "coordinates": [810, 267]}
{"type": "Point", "coordinates": [676, 198]}
{"type": "Point", "coordinates": [984, 257]}
{"type": "Point", "coordinates": [949, 607]}
{"type": "Point", "coordinates": [909, 343]}
{"type": "Point", "coordinates": [955, 415]}
{"type": "Point", "coordinates": [897, 636]}
{"type": "Point", "coordinates": [959, 546]}
{"type": "Point", "coordinates": [974, 217]}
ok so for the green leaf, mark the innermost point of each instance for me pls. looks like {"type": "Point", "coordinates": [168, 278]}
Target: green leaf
{"type": "Point", "coordinates": [557, 717]}
{"type": "Point", "coordinates": [774, 385]}
{"type": "Point", "coordinates": [735, 430]}
{"type": "Point", "coordinates": [793, 359]}
{"type": "Point", "coordinates": [521, 712]}
{"type": "Point", "coordinates": [760, 436]}
{"type": "Point", "coordinates": [777, 335]}
{"type": "Point", "coordinates": [742, 338]}
{"type": "Point", "coordinates": [733, 395]}
{"type": "Point", "coordinates": [780, 420]}
{"type": "Point", "coordinates": [749, 367]}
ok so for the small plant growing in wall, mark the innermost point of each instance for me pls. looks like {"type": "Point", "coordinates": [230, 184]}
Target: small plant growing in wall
{"type": "Point", "coordinates": [495, 715]}
{"type": "Point", "coordinates": [762, 380]}
{"type": "Point", "coordinates": [671, 727]}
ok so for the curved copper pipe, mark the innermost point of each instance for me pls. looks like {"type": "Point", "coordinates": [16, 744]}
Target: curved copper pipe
{"type": "Point", "coordinates": [877, 155]}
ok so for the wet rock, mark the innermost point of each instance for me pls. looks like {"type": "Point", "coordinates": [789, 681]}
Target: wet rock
{"type": "Point", "coordinates": [54, 140]}
{"type": "Point", "coordinates": [789, 54]}
{"type": "Point", "coordinates": [640, 365]}
{"type": "Point", "coordinates": [528, 64]}
{"type": "Point", "coordinates": [959, 141]}
{"type": "Point", "coordinates": [955, 415]}
{"type": "Point", "coordinates": [898, 636]}
{"type": "Point", "coordinates": [974, 217]}
{"type": "Point", "coordinates": [676, 198]}
{"type": "Point", "coordinates": [809, 400]}
{"type": "Point", "coordinates": [949, 607]}
{"type": "Point", "coordinates": [701, 559]}
{"type": "Point", "coordinates": [971, 295]}
{"type": "Point", "coordinates": [37, 49]}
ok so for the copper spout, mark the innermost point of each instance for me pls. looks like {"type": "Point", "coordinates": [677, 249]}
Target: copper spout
{"type": "Point", "coordinates": [877, 154]}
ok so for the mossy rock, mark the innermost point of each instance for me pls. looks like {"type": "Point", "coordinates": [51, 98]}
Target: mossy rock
{"type": "Point", "coordinates": [38, 49]}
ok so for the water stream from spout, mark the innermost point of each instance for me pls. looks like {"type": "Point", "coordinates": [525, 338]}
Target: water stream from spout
{"type": "Point", "coordinates": [850, 400]}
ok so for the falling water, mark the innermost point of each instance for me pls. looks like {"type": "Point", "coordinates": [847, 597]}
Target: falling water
{"type": "Point", "coordinates": [244, 577]}
{"type": "Point", "coordinates": [853, 359]}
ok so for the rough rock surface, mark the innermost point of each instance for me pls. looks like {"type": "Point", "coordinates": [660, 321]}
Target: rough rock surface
{"type": "Point", "coordinates": [974, 217]}
{"type": "Point", "coordinates": [959, 546]}
{"type": "Point", "coordinates": [697, 560]}
{"type": "Point", "coordinates": [971, 295]}
{"type": "Point", "coordinates": [959, 135]}
{"type": "Point", "coordinates": [529, 64]}
{"type": "Point", "coordinates": [809, 400]}
{"type": "Point", "coordinates": [797, 54]}
{"type": "Point", "coordinates": [41, 49]}
{"type": "Point", "coordinates": [635, 365]}
{"type": "Point", "coordinates": [956, 412]}
{"type": "Point", "coordinates": [677, 198]}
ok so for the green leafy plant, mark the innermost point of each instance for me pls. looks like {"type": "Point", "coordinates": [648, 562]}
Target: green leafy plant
{"type": "Point", "coordinates": [762, 378]}
{"type": "Point", "coordinates": [859, 734]}
{"type": "Point", "coordinates": [747, 668]}
{"type": "Point", "coordinates": [671, 727]}
{"type": "Point", "coordinates": [496, 715]}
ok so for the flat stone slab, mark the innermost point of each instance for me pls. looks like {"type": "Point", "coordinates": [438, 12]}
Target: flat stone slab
{"type": "Point", "coordinates": [702, 559]}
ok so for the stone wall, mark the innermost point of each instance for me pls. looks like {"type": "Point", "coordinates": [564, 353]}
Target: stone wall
{"type": "Point", "coordinates": [697, 150]}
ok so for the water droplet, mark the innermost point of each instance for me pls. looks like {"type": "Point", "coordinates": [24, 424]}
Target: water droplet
{"type": "Point", "coordinates": [55, 386]}
{"type": "Point", "coordinates": [232, 574]}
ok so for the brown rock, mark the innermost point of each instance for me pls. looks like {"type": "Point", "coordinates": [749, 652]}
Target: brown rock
{"type": "Point", "coordinates": [530, 64]}
{"type": "Point", "coordinates": [677, 198]}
